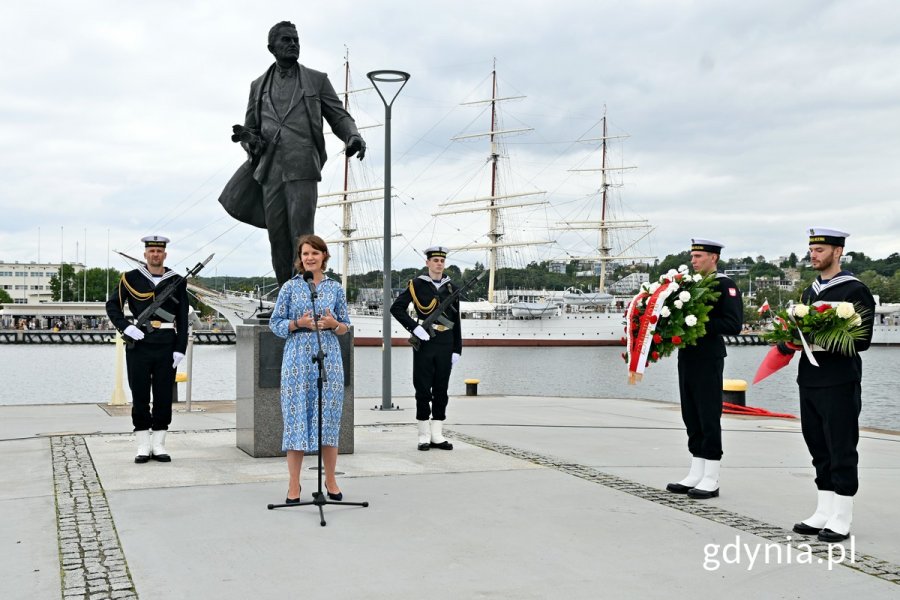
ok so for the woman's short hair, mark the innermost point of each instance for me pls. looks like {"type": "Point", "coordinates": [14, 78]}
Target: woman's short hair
{"type": "Point", "coordinates": [317, 243]}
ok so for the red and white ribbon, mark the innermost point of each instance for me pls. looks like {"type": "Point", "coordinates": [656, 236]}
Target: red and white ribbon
{"type": "Point", "coordinates": [638, 347]}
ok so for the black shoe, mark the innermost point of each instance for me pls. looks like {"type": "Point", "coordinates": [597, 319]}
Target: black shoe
{"type": "Point", "coordinates": [141, 459]}
{"type": "Point", "coordinates": [827, 535]}
{"type": "Point", "coordinates": [445, 445]}
{"type": "Point", "coordinates": [424, 446]}
{"type": "Point", "coordinates": [161, 457]}
{"type": "Point", "coordinates": [702, 494]}
{"type": "Point", "coordinates": [339, 496]}
{"type": "Point", "coordinates": [677, 488]}
{"type": "Point", "coordinates": [294, 500]}
{"type": "Point", "coordinates": [804, 529]}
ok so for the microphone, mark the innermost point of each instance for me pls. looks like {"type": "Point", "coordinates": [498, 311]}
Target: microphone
{"type": "Point", "coordinates": [308, 278]}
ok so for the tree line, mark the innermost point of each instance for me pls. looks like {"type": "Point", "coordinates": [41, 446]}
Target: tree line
{"type": "Point", "coordinates": [882, 276]}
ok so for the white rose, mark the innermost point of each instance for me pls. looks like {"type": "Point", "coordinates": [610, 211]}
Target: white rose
{"type": "Point", "coordinates": [684, 296]}
{"type": "Point", "coordinates": [800, 310]}
{"type": "Point", "coordinates": [690, 320]}
{"type": "Point", "coordinates": [673, 288]}
{"type": "Point", "coordinates": [683, 269]}
{"type": "Point", "coordinates": [697, 277]}
{"type": "Point", "coordinates": [665, 312]}
{"type": "Point", "coordinates": [672, 273]}
{"type": "Point", "coordinates": [845, 310]}
{"type": "Point", "coordinates": [678, 303]}
{"type": "Point", "coordinates": [654, 287]}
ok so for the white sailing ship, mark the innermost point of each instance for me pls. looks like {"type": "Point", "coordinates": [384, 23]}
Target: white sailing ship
{"type": "Point", "coordinates": [536, 317]}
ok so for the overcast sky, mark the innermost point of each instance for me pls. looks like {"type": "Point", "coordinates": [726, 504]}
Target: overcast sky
{"type": "Point", "coordinates": [747, 121]}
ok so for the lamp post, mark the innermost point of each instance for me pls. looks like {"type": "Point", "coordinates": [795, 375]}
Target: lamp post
{"type": "Point", "coordinates": [383, 77]}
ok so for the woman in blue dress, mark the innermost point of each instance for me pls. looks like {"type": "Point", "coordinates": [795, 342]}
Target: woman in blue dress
{"type": "Point", "coordinates": [292, 319]}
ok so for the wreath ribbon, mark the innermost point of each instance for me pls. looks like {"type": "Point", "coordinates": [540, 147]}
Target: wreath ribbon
{"type": "Point", "coordinates": [639, 345]}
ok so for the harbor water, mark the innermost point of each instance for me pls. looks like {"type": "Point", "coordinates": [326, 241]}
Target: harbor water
{"type": "Point", "coordinates": [50, 374]}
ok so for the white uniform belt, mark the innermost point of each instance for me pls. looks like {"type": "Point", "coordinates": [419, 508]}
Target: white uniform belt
{"type": "Point", "coordinates": [161, 325]}
{"type": "Point", "coordinates": [439, 327]}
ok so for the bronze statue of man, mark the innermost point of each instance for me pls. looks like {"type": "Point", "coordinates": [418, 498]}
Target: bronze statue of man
{"type": "Point", "coordinates": [277, 188]}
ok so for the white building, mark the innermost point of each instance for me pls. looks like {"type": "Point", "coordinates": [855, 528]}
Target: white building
{"type": "Point", "coordinates": [630, 283]}
{"type": "Point", "coordinates": [29, 283]}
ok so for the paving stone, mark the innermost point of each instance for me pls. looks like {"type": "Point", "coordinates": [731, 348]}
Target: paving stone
{"type": "Point", "coordinates": [122, 584]}
{"type": "Point", "coordinates": [90, 552]}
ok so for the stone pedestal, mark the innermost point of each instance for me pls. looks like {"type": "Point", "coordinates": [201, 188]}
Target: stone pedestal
{"type": "Point", "coordinates": [258, 413]}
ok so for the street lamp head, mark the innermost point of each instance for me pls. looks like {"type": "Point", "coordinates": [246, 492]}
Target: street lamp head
{"type": "Point", "coordinates": [388, 76]}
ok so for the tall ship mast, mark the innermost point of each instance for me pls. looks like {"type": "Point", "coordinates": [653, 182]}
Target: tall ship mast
{"type": "Point", "coordinates": [494, 203]}
{"type": "Point", "coordinates": [607, 222]}
{"type": "Point", "coordinates": [349, 196]}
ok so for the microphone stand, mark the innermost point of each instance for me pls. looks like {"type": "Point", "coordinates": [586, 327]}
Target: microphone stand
{"type": "Point", "coordinates": [319, 498]}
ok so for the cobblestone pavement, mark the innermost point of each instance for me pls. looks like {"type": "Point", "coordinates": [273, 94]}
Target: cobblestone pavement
{"type": "Point", "coordinates": [91, 558]}
{"type": "Point", "coordinates": [778, 535]}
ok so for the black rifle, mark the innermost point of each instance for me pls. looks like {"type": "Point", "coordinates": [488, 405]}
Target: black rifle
{"type": "Point", "coordinates": [143, 319]}
{"type": "Point", "coordinates": [415, 342]}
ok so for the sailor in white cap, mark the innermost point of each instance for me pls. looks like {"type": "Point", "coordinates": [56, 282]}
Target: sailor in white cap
{"type": "Point", "coordinates": [438, 353]}
{"type": "Point", "coordinates": [830, 394]}
{"type": "Point", "coordinates": [700, 378]}
{"type": "Point", "coordinates": [157, 349]}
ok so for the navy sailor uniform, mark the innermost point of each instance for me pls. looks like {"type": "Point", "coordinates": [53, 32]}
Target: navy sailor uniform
{"type": "Point", "coordinates": [830, 394]}
{"type": "Point", "coordinates": [700, 373]}
{"type": "Point", "coordinates": [149, 361]}
{"type": "Point", "coordinates": [431, 363]}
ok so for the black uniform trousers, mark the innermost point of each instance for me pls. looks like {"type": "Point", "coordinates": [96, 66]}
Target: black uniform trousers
{"type": "Point", "coordinates": [700, 387]}
{"type": "Point", "coordinates": [150, 368]}
{"type": "Point", "coordinates": [829, 418]}
{"type": "Point", "coordinates": [431, 376]}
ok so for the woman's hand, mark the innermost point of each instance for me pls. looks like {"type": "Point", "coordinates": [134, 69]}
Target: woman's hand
{"type": "Point", "coordinates": [327, 321]}
{"type": "Point", "coordinates": [305, 321]}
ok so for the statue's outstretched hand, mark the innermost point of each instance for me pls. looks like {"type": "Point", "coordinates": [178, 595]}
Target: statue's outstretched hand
{"type": "Point", "coordinates": [356, 145]}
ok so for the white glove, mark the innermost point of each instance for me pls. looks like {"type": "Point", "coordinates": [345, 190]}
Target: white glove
{"type": "Point", "coordinates": [454, 358]}
{"type": "Point", "coordinates": [134, 333]}
{"type": "Point", "coordinates": [177, 357]}
{"type": "Point", "coordinates": [420, 333]}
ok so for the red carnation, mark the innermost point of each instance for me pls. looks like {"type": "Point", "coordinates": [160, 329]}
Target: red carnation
{"type": "Point", "coordinates": [654, 355]}
{"type": "Point", "coordinates": [654, 319]}
{"type": "Point", "coordinates": [676, 339]}
{"type": "Point", "coordinates": [657, 338]}
{"type": "Point", "coordinates": [823, 307]}
{"type": "Point", "coordinates": [679, 277]}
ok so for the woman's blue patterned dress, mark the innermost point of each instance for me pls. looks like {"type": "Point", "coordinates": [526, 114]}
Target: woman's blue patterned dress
{"type": "Point", "coordinates": [299, 401]}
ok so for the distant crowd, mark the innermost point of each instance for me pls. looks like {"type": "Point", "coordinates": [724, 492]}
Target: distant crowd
{"type": "Point", "coordinates": [55, 323]}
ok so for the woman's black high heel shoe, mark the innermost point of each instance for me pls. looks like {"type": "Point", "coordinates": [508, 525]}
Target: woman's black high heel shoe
{"type": "Point", "coordinates": [339, 496]}
{"type": "Point", "coordinates": [294, 500]}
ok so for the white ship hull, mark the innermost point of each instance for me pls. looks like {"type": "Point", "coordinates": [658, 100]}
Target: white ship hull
{"type": "Point", "coordinates": [886, 335]}
{"type": "Point", "coordinates": [568, 329]}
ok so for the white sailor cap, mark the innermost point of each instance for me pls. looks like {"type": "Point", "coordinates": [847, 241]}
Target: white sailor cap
{"type": "Point", "coordinates": [823, 235]}
{"type": "Point", "coordinates": [155, 241]}
{"type": "Point", "coordinates": [706, 245]}
{"type": "Point", "coordinates": [440, 251]}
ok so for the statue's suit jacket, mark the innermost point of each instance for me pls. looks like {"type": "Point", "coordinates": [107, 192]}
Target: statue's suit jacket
{"type": "Point", "coordinates": [314, 100]}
